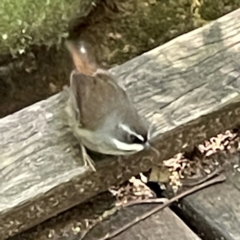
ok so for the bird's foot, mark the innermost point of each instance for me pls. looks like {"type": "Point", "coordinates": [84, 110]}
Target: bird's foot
{"type": "Point", "coordinates": [87, 159]}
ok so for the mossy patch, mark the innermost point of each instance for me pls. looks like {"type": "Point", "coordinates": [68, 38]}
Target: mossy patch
{"type": "Point", "coordinates": [24, 23]}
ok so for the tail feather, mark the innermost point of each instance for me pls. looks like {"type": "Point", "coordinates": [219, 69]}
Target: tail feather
{"type": "Point", "coordinates": [83, 61]}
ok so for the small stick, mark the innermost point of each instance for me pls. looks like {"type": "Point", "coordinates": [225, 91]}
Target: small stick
{"type": "Point", "coordinates": [203, 179]}
{"type": "Point", "coordinates": [148, 200]}
{"type": "Point", "coordinates": [163, 200]}
{"type": "Point", "coordinates": [215, 180]}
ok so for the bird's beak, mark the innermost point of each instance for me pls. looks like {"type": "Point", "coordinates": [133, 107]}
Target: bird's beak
{"type": "Point", "coordinates": [148, 146]}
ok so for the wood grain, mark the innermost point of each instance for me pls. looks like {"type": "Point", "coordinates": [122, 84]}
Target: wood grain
{"type": "Point", "coordinates": [161, 225]}
{"type": "Point", "coordinates": [187, 87]}
{"type": "Point", "coordinates": [214, 212]}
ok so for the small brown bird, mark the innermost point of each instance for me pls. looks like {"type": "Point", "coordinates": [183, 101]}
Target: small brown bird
{"type": "Point", "coordinates": [100, 114]}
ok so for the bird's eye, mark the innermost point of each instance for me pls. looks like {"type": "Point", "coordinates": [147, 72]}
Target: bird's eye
{"type": "Point", "coordinates": [134, 139]}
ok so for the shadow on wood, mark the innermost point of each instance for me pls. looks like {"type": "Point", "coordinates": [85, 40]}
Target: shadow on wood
{"type": "Point", "coordinates": [187, 87]}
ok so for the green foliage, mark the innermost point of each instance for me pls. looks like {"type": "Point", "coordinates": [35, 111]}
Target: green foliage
{"type": "Point", "coordinates": [36, 22]}
{"type": "Point", "coordinates": [211, 10]}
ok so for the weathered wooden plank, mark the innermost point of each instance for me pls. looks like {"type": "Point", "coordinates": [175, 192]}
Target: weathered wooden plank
{"type": "Point", "coordinates": [161, 225]}
{"type": "Point", "coordinates": [188, 87]}
{"type": "Point", "coordinates": [214, 212]}
{"type": "Point", "coordinates": [66, 226]}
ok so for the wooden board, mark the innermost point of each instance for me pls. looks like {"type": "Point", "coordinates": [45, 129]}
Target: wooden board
{"type": "Point", "coordinates": [214, 212]}
{"type": "Point", "coordinates": [187, 87]}
{"type": "Point", "coordinates": [161, 225]}
{"type": "Point", "coordinates": [66, 226]}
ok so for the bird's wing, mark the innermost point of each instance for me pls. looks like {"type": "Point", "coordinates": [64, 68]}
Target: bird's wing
{"type": "Point", "coordinates": [96, 98]}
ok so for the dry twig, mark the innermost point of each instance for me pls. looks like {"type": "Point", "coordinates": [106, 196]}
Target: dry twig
{"type": "Point", "coordinates": [203, 183]}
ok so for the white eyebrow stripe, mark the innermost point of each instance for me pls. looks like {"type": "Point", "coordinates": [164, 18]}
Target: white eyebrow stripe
{"type": "Point", "coordinates": [128, 147]}
{"type": "Point", "coordinates": [127, 129]}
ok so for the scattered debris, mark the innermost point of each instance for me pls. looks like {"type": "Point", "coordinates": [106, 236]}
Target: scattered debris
{"type": "Point", "coordinates": [196, 164]}
{"type": "Point", "coordinates": [165, 203]}
{"type": "Point", "coordinates": [73, 223]}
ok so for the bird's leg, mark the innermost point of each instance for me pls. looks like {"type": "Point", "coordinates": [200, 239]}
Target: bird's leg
{"type": "Point", "coordinates": [87, 159]}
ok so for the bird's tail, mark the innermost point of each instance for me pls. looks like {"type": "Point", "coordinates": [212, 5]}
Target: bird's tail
{"type": "Point", "coordinates": [83, 59]}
